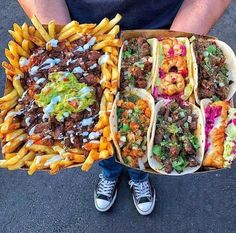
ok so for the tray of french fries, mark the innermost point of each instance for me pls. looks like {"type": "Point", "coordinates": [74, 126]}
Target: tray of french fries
{"type": "Point", "coordinates": [159, 101]}
{"type": "Point", "coordinates": [49, 119]}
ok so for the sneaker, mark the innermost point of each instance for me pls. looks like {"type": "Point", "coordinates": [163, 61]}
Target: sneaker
{"type": "Point", "coordinates": [105, 194]}
{"type": "Point", "coordinates": [144, 196]}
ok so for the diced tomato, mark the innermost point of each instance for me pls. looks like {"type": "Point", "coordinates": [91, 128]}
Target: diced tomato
{"type": "Point", "coordinates": [134, 126]}
{"type": "Point", "coordinates": [128, 105]}
{"type": "Point", "coordinates": [142, 104]}
{"type": "Point", "coordinates": [148, 112]}
{"type": "Point", "coordinates": [73, 103]}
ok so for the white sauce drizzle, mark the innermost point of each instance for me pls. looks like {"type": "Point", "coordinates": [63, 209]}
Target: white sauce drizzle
{"type": "Point", "coordinates": [41, 80]}
{"type": "Point", "coordinates": [31, 132]}
{"type": "Point", "coordinates": [93, 66]}
{"type": "Point", "coordinates": [52, 42]}
{"type": "Point", "coordinates": [49, 63]}
{"type": "Point", "coordinates": [78, 69]}
{"type": "Point", "coordinates": [94, 135]}
{"type": "Point", "coordinates": [85, 133]}
{"type": "Point", "coordinates": [48, 109]}
{"type": "Point", "coordinates": [23, 62]}
{"type": "Point", "coordinates": [34, 70]}
{"type": "Point", "coordinates": [86, 121]}
{"type": "Point", "coordinates": [27, 121]}
{"type": "Point", "coordinates": [103, 59]}
{"type": "Point", "coordinates": [53, 160]}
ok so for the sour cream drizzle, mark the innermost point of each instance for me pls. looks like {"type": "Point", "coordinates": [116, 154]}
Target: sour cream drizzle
{"type": "Point", "coordinates": [49, 108]}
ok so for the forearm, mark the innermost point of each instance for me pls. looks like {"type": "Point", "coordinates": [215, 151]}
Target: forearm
{"type": "Point", "coordinates": [198, 16]}
{"type": "Point", "coordinates": [46, 10]}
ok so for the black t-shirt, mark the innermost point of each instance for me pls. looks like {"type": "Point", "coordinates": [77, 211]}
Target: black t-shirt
{"type": "Point", "coordinates": [136, 14]}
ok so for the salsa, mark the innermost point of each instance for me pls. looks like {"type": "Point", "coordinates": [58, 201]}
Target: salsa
{"type": "Point", "coordinates": [133, 115]}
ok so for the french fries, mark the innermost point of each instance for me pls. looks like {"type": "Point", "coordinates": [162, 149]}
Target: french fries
{"type": "Point", "coordinates": [23, 150]}
{"type": "Point", "coordinates": [68, 33]}
{"type": "Point", "coordinates": [17, 85]}
{"type": "Point", "coordinates": [40, 29]}
{"type": "Point", "coordinates": [100, 26]}
{"type": "Point", "coordinates": [21, 162]}
{"type": "Point", "coordinates": [10, 146]}
{"type": "Point", "coordinates": [111, 24]}
{"type": "Point", "coordinates": [52, 29]}
{"type": "Point", "coordinates": [109, 42]}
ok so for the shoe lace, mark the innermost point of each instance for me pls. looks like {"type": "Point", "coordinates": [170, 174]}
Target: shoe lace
{"type": "Point", "coordinates": [105, 187]}
{"type": "Point", "coordinates": [141, 189]}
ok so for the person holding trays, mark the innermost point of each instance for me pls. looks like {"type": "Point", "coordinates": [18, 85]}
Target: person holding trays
{"type": "Point", "coordinates": [196, 16]}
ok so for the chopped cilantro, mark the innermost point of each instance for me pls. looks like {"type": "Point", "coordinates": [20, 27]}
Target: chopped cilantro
{"type": "Point", "coordinates": [194, 142]}
{"type": "Point", "coordinates": [211, 49]}
{"type": "Point", "coordinates": [215, 98]}
{"type": "Point", "coordinates": [182, 113]}
{"type": "Point", "coordinates": [126, 160]}
{"type": "Point", "coordinates": [139, 64]}
{"type": "Point", "coordinates": [186, 125]}
{"type": "Point", "coordinates": [130, 79]}
{"type": "Point", "coordinates": [119, 112]}
{"type": "Point", "coordinates": [132, 98]}
{"type": "Point", "coordinates": [125, 128]}
{"type": "Point", "coordinates": [179, 164]}
{"type": "Point", "coordinates": [173, 128]}
{"type": "Point", "coordinates": [128, 53]}
{"type": "Point", "coordinates": [157, 150]}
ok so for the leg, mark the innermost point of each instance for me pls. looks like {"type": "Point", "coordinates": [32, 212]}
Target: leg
{"type": "Point", "coordinates": [143, 193]}
{"type": "Point", "coordinates": [137, 176]}
{"type": "Point", "coordinates": [111, 170]}
{"type": "Point", "coordinates": [106, 190]}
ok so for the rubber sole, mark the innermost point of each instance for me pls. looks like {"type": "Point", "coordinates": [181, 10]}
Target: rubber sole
{"type": "Point", "coordinates": [109, 206]}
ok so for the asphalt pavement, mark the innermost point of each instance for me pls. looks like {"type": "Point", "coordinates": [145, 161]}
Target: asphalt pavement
{"type": "Point", "coordinates": [199, 203]}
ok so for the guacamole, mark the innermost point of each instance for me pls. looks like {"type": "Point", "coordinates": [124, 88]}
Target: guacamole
{"type": "Point", "coordinates": [64, 95]}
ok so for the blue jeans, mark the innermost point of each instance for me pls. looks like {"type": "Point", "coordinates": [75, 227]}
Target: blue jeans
{"type": "Point", "coordinates": [112, 170]}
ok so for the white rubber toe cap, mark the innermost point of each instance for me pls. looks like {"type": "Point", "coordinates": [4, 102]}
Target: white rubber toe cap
{"type": "Point", "coordinates": [145, 207]}
{"type": "Point", "coordinates": [102, 204]}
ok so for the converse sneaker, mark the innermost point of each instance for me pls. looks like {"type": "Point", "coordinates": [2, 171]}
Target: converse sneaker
{"type": "Point", "coordinates": [105, 194]}
{"type": "Point", "coordinates": [144, 196]}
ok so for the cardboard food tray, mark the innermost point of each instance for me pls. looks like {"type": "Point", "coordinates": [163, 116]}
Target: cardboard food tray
{"type": "Point", "coordinates": [162, 33]}
{"type": "Point", "coordinates": [9, 87]}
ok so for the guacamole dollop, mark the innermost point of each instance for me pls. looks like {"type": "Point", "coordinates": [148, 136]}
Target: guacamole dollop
{"type": "Point", "coordinates": [64, 95]}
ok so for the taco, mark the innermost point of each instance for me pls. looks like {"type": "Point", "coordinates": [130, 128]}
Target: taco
{"type": "Point", "coordinates": [177, 140]}
{"type": "Point", "coordinates": [137, 62]}
{"type": "Point", "coordinates": [214, 69]}
{"type": "Point", "coordinates": [229, 154]}
{"type": "Point", "coordinates": [218, 127]}
{"type": "Point", "coordinates": [131, 120]}
{"type": "Point", "coordinates": [174, 70]}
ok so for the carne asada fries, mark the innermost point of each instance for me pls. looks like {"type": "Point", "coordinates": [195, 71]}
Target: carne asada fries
{"type": "Point", "coordinates": [59, 92]}
{"type": "Point", "coordinates": [131, 122]}
{"type": "Point", "coordinates": [214, 70]}
{"type": "Point", "coordinates": [178, 139]}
